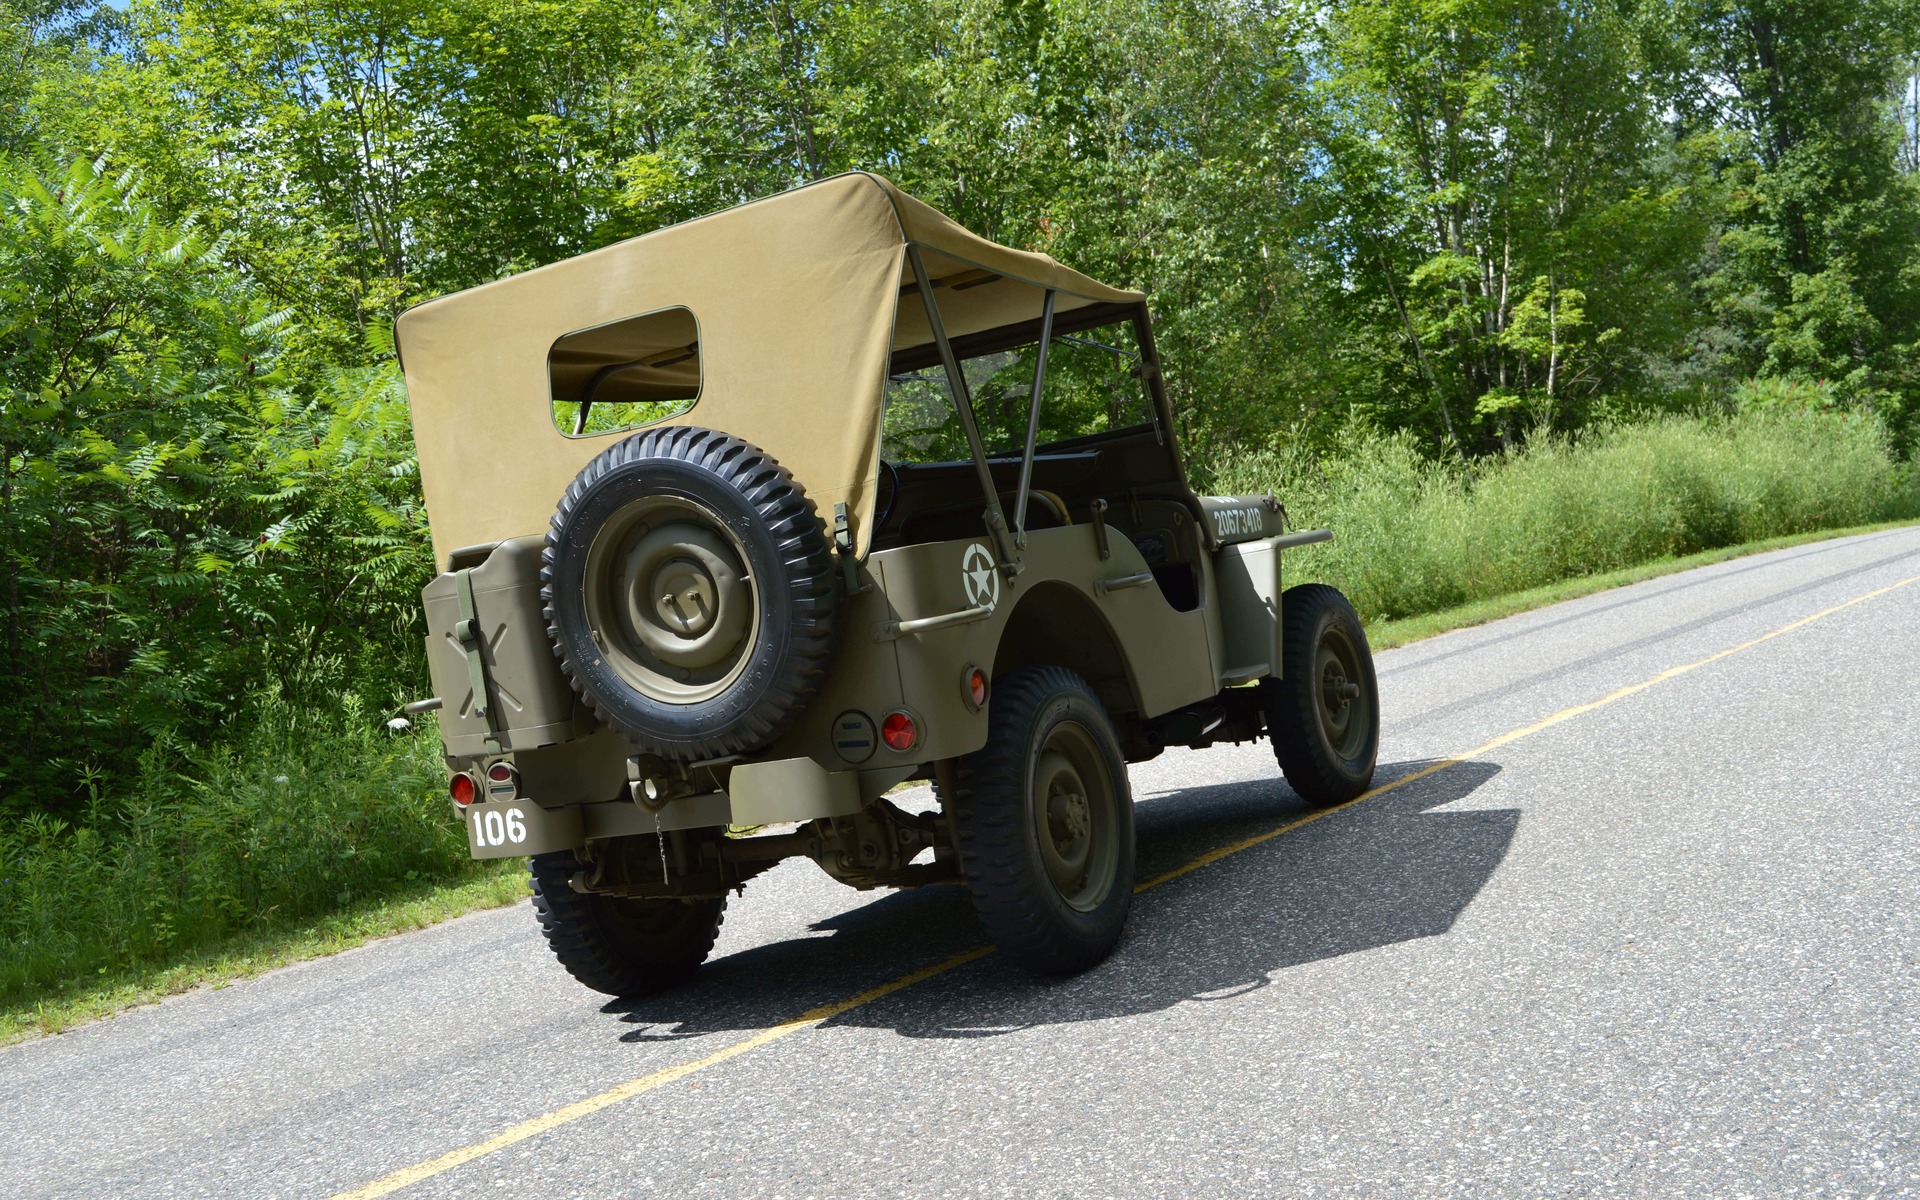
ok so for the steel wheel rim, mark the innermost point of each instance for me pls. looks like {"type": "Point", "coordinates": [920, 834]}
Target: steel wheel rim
{"type": "Point", "coordinates": [1075, 809]}
{"type": "Point", "coordinates": [672, 606]}
{"type": "Point", "coordinates": [1339, 694]}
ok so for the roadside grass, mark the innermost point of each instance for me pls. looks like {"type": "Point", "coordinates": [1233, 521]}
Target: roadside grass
{"type": "Point", "coordinates": [1385, 635]}
{"type": "Point", "coordinates": [113, 990]}
{"type": "Point", "coordinates": [1414, 536]}
{"type": "Point", "coordinates": [319, 824]}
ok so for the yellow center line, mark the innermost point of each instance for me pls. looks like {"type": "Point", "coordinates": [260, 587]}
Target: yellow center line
{"type": "Point", "coordinates": [407, 1176]}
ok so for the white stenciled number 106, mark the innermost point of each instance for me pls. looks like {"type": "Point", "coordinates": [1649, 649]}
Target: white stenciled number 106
{"type": "Point", "coordinates": [496, 828]}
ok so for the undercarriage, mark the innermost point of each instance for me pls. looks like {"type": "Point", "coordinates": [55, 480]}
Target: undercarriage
{"type": "Point", "coordinates": [875, 847]}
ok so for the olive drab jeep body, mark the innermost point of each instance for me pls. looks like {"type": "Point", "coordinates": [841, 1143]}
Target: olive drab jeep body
{"type": "Point", "coordinates": [744, 522]}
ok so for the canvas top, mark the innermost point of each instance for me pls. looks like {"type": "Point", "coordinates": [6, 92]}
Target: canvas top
{"type": "Point", "coordinates": [782, 314]}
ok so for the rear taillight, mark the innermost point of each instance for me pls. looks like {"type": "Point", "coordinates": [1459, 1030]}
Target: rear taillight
{"type": "Point", "coordinates": [899, 732]}
{"type": "Point", "coordinates": [463, 789]}
{"type": "Point", "coordinates": [973, 688]}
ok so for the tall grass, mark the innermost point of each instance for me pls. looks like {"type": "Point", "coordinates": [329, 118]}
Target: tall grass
{"type": "Point", "coordinates": [1413, 536]}
{"type": "Point", "coordinates": [314, 811]}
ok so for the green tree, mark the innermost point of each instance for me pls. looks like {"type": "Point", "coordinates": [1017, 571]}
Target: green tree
{"type": "Point", "coordinates": [1493, 162]}
{"type": "Point", "coordinates": [1818, 266]}
{"type": "Point", "coordinates": [179, 524]}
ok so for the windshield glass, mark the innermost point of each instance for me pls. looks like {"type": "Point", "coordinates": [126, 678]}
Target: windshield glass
{"type": "Point", "coordinates": [1093, 385]}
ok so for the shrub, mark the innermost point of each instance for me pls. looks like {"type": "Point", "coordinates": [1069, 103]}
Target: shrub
{"type": "Point", "coordinates": [1414, 536]}
{"type": "Point", "coordinates": [313, 810]}
{"type": "Point", "coordinates": [1777, 393]}
{"type": "Point", "coordinates": [183, 519]}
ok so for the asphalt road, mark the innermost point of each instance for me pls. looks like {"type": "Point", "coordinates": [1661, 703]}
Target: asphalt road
{"type": "Point", "coordinates": [1664, 946]}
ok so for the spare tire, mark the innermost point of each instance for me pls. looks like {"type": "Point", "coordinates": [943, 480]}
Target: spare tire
{"type": "Point", "coordinates": [690, 593]}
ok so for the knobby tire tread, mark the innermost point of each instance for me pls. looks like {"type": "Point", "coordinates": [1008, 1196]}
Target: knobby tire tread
{"type": "Point", "coordinates": [581, 942]}
{"type": "Point", "coordinates": [990, 824]}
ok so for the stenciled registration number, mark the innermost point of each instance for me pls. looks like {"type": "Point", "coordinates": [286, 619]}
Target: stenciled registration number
{"type": "Point", "coordinates": [493, 827]}
{"type": "Point", "coordinates": [1235, 522]}
{"type": "Point", "coordinates": [512, 828]}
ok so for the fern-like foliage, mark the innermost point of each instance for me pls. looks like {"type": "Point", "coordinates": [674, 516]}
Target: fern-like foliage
{"type": "Point", "coordinates": [185, 519]}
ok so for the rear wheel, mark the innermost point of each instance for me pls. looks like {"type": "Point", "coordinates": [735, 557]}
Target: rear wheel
{"type": "Point", "coordinates": [1323, 714]}
{"type": "Point", "coordinates": [616, 945]}
{"type": "Point", "coordinates": [1044, 818]}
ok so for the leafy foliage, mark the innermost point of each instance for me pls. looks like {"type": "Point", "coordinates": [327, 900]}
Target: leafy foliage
{"type": "Point", "coordinates": [180, 523]}
{"type": "Point", "coordinates": [1467, 218]}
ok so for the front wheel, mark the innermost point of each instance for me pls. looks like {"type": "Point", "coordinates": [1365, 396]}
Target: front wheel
{"type": "Point", "coordinates": [1323, 713]}
{"type": "Point", "coordinates": [617, 945]}
{"type": "Point", "coordinates": [1044, 818]}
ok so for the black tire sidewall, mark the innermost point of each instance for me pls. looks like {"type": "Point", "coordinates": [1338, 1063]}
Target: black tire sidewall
{"type": "Point", "coordinates": [993, 809]}
{"type": "Point", "coordinates": [1339, 614]}
{"type": "Point", "coordinates": [771, 687]}
{"type": "Point", "coordinates": [1312, 765]}
{"type": "Point", "coordinates": [1100, 924]}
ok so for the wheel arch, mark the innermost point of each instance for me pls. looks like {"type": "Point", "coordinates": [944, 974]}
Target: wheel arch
{"type": "Point", "coordinates": [1056, 624]}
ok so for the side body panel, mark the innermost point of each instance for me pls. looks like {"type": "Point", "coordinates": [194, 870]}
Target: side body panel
{"type": "Point", "coordinates": [1249, 581]}
{"type": "Point", "coordinates": [1165, 658]}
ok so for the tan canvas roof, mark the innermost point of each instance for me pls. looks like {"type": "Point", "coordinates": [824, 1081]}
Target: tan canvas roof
{"type": "Point", "coordinates": [793, 304]}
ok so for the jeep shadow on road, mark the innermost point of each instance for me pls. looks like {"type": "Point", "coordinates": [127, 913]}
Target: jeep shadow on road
{"type": "Point", "coordinates": [1388, 870]}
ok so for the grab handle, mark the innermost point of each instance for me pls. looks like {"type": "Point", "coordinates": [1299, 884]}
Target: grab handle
{"type": "Point", "coordinates": [886, 631]}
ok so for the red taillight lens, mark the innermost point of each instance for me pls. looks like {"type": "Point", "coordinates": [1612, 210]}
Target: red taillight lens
{"type": "Point", "coordinates": [898, 731]}
{"type": "Point", "coordinates": [977, 687]}
{"type": "Point", "coordinates": [500, 772]}
{"type": "Point", "coordinates": [462, 788]}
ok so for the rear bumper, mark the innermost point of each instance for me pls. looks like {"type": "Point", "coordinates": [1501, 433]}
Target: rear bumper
{"type": "Point", "coordinates": [791, 789]}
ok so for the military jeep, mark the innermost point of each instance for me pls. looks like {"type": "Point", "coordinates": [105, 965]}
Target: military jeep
{"type": "Point", "coordinates": [750, 520]}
